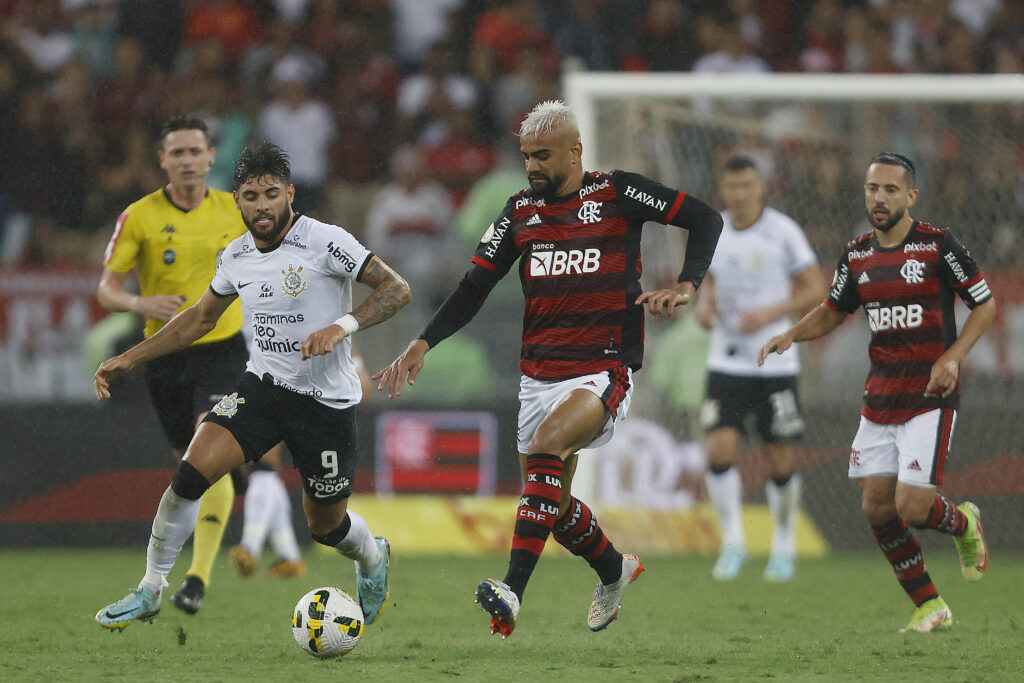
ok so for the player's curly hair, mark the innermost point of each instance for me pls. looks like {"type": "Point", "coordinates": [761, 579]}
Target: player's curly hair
{"type": "Point", "coordinates": [546, 117]}
{"type": "Point", "coordinates": [260, 159]}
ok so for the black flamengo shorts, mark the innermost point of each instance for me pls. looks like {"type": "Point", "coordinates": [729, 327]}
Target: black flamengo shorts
{"type": "Point", "coordinates": [773, 400]}
{"type": "Point", "coordinates": [185, 384]}
{"type": "Point", "coordinates": [321, 439]}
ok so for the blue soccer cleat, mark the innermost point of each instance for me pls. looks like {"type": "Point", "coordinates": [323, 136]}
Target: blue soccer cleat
{"type": "Point", "coordinates": [372, 586]}
{"type": "Point", "coordinates": [141, 604]}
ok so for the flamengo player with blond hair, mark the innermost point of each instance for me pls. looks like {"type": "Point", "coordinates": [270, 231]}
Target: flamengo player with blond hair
{"type": "Point", "coordinates": [576, 235]}
{"type": "Point", "coordinates": [905, 273]}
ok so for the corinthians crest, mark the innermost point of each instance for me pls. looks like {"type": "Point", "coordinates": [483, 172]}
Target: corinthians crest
{"type": "Point", "coordinates": [293, 282]}
{"type": "Point", "coordinates": [228, 405]}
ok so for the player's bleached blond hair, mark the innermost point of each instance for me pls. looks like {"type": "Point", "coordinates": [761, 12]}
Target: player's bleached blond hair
{"type": "Point", "coordinates": [547, 117]}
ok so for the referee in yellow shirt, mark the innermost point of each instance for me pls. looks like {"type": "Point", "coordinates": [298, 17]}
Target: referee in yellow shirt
{"type": "Point", "coordinates": [173, 239]}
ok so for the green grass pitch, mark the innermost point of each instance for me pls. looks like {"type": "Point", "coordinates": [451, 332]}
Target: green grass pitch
{"type": "Point", "coordinates": [838, 620]}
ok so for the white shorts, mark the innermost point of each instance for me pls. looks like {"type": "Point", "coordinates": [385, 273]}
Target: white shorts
{"type": "Point", "coordinates": [537, 399]}
{"type": "Point", "coordinates": [914, 452]}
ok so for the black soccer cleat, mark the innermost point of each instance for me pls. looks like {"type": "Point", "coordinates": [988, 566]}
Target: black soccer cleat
{"type": "Point", "coordinates": [190, 596]}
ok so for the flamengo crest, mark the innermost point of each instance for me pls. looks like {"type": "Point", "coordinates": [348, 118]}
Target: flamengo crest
{"type": "Point", "coordinates": [293, 282]}
{"type": "Point", "coordinates": [912, 271]}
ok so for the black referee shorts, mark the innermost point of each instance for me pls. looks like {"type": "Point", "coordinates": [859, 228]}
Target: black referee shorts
{"type": "Point", "coordinates": [185, 384]}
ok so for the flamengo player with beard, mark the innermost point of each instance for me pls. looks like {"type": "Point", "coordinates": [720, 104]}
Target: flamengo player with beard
{"type": "Point", "coordinates": [576, 235]}
{"type": "Point", "coordinates": [300, 386]}
{"type": "Point", "coordinates": [905, 273]}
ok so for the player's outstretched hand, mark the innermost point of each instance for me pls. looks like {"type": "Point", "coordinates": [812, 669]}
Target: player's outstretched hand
{"type": "Point", "coordinates": [663, 302]}
{"type": "Point", "coordinates": [109, 370]}
{"type": "Point", "coordinates": [159, 306]}
{"type": "Point", "coordinates": [944, 376]}
{"type": "Point", "coordinates": [777, 344]}
{"type": "Point", "coordinates": [408, 365]}
{"type": "Point", "coordinates": [322, 342]}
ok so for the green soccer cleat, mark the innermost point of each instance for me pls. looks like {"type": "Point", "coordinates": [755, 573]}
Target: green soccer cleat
{"type": "Point", "coordinates": [141, 604]}
{"type": "Point", "coordinates": [971, 545]}
{"type": "Point", "coordinates": [372, 586]}
{"type": "Point", "coordinates": [933, 615]}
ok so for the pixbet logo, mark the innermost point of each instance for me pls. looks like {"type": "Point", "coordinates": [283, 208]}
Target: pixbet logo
{"type": "Point", "coordinates": [573, 261]}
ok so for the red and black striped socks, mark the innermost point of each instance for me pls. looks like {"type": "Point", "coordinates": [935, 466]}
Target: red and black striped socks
{"type": "Point", "coordinates": [538, 510]}
{"type": "Point", "coordinates": [578, 532]}
{"type": "Point", "coordinates": [904, 554]}
{"type": "Point", "coordinates": [945, 517]}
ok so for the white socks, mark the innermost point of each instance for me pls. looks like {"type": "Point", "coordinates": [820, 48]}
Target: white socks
{"type": "Point", "coordinates": [174, 522]}
{"type": "Point", "coordinates": [783, 501]}
{"type": "Point", "coordinates": [358, 544]}
{"type": "Point", "coordinates": [268, 510]}
{"type": "Point", "coordinates": [725, 491]}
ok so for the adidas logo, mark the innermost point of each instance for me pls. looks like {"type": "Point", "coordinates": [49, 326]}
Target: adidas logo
{"type": "Point", "coordinates": [914, 466]}
{"type": "Point", "coordinates": [535, 220]}
{"type": "Point", "coordinates": [590, 383]}
{"type": "Point", "coordinates": [863, 278]}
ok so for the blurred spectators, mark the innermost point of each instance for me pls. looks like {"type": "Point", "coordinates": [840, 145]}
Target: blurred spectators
{"type": "Point", "coordinates": [342, 84]}
{"type": "Point", "coordinates": [303, 126]}
{"type": "Point", "coordinates": [409, 225]}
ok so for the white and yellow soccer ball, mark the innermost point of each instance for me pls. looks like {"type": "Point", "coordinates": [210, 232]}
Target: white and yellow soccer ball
{"type": "Point", "coordinates": [327, 622]}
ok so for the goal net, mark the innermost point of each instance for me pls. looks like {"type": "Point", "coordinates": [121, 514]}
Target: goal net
{"type": "Point", "coordinates": [812, 136]}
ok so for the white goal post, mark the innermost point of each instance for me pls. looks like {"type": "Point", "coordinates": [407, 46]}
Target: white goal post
{"type": "Point", "coordinates": [582, 89]}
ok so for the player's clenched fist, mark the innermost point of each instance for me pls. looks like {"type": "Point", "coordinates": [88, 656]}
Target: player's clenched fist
{"type": "Point", "coordinates": [322, 342]}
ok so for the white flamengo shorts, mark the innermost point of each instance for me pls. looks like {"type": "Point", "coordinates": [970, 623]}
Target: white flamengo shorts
{"type": "Point", "coordinates": [914, 452]}
{"type": "Point", "coordinates": [538, 398]}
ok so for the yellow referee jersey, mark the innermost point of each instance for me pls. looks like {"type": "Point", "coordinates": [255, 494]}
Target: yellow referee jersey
{"type": "Point", "coordinates": [176, 251]}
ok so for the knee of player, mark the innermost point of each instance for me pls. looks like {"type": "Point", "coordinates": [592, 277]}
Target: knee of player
{"type": "Point", "coordinates": [325, 520]}
{"type": "Point", "coordinates": [913, 510]}
{"type": "Point", "coordinates": [878, 512]}
{"type": "Point", "coordinates": [188, 482]}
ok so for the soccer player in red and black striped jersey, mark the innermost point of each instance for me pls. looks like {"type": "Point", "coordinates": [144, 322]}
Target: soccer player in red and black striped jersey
{"type": "Point", "coordinates": [905, 274]}
{"type": "Point", "coordinates": [576, 235]}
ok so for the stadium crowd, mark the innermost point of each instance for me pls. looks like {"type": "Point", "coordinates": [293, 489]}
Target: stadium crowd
{"type": "Point", "coordinates": [375, 99]}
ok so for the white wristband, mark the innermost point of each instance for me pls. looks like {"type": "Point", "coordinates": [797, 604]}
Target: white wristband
{"type": "Point", "coordinates": [347, 323]}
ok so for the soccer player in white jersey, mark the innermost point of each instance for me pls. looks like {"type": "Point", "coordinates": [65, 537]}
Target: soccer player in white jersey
{"type": "Point", "coordinates": [763, 271]}
{"type": "Point", "coordinates": [300, 386]}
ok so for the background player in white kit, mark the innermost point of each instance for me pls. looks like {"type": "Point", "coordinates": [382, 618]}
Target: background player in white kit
{"type": "Point", "coordinates": [763, 271]}
{"type": "Point", "coordinates": [294, 273]}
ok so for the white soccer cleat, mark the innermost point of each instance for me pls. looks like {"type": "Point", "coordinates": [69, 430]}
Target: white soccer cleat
{"type": "Point", "coordinates": [605, 606]}
{"type": "Point", "coordinates": [730, 562]}
{"type": "Point", "coordinates": [498, 600]}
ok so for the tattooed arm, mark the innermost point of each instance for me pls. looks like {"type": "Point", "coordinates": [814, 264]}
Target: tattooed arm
{"type": "Point", "coordinates": [390, 293]}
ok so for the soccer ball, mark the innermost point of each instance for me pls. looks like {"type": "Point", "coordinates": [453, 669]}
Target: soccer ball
{"type": "Point", "coordinates": [327, 622]}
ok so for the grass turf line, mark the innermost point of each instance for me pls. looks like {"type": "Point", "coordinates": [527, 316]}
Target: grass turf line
{"type": "Point", "coordinates": [837, 620]}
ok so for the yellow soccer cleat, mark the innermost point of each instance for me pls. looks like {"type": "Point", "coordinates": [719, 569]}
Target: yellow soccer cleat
{"type": "Point", "coordinates": [933, 615]}
{"type": "Point", "coordinates": [971, 545]}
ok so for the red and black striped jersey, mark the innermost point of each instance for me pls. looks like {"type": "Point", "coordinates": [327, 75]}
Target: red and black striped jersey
{"type": "Point", "coordinates": [579, 264]}
{"type": "Point", "coordinates": [907, 294]}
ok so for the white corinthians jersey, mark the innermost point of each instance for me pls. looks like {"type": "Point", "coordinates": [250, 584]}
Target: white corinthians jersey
{"type": "Point", "coordinates": [752, 269]}
{"type": "Point", "coordinates": [300, 286]}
